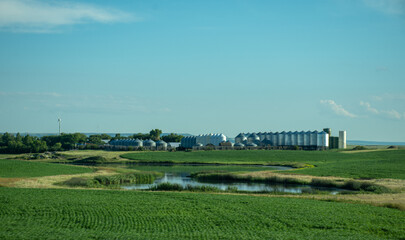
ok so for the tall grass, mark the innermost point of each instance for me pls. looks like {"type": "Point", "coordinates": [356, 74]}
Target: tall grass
{"type": "Point", "coordinates": [190, 188]}
{"type": "Point", "coordinates": [231, 177]}
{"type": "Point", "coordinates": [355, 185]}
{"type": "Point", "coordinates": [118, 179]}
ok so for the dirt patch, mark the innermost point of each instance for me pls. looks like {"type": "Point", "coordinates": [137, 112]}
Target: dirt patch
{"type": "Point", "coordinates": [49, 181]}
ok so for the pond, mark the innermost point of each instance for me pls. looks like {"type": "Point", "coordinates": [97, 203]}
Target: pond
{"type": "Point", "coordinates": [180, 174]}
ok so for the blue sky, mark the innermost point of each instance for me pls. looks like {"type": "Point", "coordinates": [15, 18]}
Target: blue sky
{"type": "Point", "coordinates": [204, 66]}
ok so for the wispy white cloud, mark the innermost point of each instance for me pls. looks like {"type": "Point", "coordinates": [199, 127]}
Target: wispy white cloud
{"type": "Point", "coordinates": [337, 109]}
{"type": "Point", "coordinates": [392, 114]}
{"type": "Point", "coordinates": [369, 108]}
{"type": "Point", "coordinates": [48, 16]}
{"type": "Point", "coordinates": [392, 7]}
{"type": "Point", "coordinates": [388, 96]}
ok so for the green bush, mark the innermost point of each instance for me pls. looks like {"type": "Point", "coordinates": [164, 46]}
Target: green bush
{"type": "Point", "coordinates": [135, 178]}
{"type": "Point", "coordinates": [167, 187]}
{"type": "Point", "coordinates": [77, 182]}
{"type": "Point", "coordinates": [359, 148]}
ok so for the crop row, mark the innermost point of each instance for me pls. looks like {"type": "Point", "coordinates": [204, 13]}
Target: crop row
{"type": "Point", "coordinates": [19, 168]}
{"type": "Point", "coordinates": [379, 164]}
{"type": "Point", "coordinates": [72, 214]}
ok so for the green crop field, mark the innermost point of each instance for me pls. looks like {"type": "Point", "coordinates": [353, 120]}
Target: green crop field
{"type": "Point", "coordinates": [375, 164]}
{"type": "Point", "coordinates": [20, 168]}
{"type": "Point", "coordinates": [177, 168]}
{"type": "Point", "coordinates": [106, 214]}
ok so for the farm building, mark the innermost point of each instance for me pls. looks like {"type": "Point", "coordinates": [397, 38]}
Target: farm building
{"type": "Point", "coordinates": [305, 140]}
{"type": "Point", "coordinates": [204, 140]}
{"type": "Point", "coordinates": [136, 143]}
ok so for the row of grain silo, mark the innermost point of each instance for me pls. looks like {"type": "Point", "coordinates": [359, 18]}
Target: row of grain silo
{"type": "Point", "coordinates": [137, 143]}
{"type": "Point", "coordinates": [309, 139]}
{"type": "Point", "coordinates": [305, 140]}
{"type": "Point", "coordinates": [202, 140]}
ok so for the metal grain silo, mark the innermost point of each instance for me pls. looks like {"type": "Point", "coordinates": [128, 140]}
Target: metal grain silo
{"type": "Point", "coordinates": [281, 137]}
{"type": "Point", "coordinates": [301, 136]}
{"type": "Point", "coordinates": [323, 138]}
{"type": "Point", "coordinates": [221, 138]}
{"type": "Point", "coordinates": [252, 138]}
{"type": "Point", "coordinates": [288, 139]}
{"type": "Point", "coordinates": [314, 138]}
{"type": "Point", "coordinates": [307, 138]}
{"type": "Point", "coordinates": [294, 138]}
{"type": "Point", "coordinates": [138, 143]}
{"type": "Point", "coordinates": [161, 145]}
{"type": "Point", "coordinates": [241, 138]}
{"type": "Point", "coordinates": [275, 139]}
{"type": "Point", "coordinates": [262, 136]}
{"type": "Point", "coordinates": [149, 143]}
{"type": "Point", "coordinates": [199, 139]}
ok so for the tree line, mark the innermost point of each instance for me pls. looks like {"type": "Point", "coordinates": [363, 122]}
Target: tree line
{"type": "Point", "coordinates": [10, 143]}
{"type": "Point", "coordinates": [154, 134]}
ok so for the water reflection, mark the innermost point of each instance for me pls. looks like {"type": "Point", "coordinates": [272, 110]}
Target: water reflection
{"type": "Point", "coordinates": [184, 179]}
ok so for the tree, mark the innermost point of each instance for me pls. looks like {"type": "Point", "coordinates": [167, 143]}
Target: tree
{"type": "Point", "coordinates": [95, 139]}
{"type": "Point", "coordinates": [155, 134]}
{"type": "Point", "coordinates": [105, 136]}
{"type": "Point", "coordinates": [142, 136]}
{"type": "Point", "coordinates": [57, 147]}
{"type": "Point", "coordinates": [118, 137]}
{"type": "Point", "coordinates": [172, 137]}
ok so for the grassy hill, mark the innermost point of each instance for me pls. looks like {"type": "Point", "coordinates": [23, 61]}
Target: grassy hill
{"type": "Point", "coordinates": [367, 164]}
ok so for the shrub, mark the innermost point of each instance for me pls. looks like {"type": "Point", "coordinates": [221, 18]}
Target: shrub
{"type": "Point", "coordinates": [77, 182]}
{"type": "Point", "coordinates": [167, 187]}
{"type": "Point", "coordinates": [365, 186]}
{"type": "Point", "coordinates": [137, 178]}
{"type": "Point", "coordinates": [92, 160]}
{"type": "Point", "coordinates": [359, 148]}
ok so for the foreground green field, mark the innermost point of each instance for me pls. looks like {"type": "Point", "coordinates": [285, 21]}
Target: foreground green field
{"type": "Point", "coordinates": [374, 164]}
{"type": "Point", "coordinates": [85, 214]}
{"type": "Point", "coordinates": [19, 168]}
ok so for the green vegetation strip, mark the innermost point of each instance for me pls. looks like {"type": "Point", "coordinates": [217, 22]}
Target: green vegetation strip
{"type": "Point", "coordinates": [376, 164]}
{"type": "Point", "coordinates": [20, 168]}
{"type": "Point", "coordinates": [113, 180]}
{"type": "Point", "coordinates": [94, 214]}
{"type": "Point", "coordinates": [348, 185]}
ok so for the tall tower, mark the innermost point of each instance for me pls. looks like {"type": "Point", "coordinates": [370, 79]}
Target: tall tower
{"type": "Point", "coordinates": [59, 121]}
{"type": "Point", "coordinates": [342, 139]}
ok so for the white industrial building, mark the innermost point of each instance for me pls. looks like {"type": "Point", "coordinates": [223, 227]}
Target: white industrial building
{"type": "Point", "coordinates": [309, 139]}
{"type": "Point", "coordinates": [304, 140]}
{"type": "Point", "coordinates": [202, 140]}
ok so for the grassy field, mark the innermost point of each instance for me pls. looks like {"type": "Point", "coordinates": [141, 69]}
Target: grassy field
{"type": "Point", "coordinates": [370, 164]}
{"type": "Point", "coordinates": [191, 168]}
{"type": "Point", "coordinates": [85, 214]}
{"type": "Point", "coordinates": [19, 169]}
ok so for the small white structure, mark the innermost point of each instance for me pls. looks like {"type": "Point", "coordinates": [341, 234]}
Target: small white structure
{"type": "Point", "coordinates": [342, 139]}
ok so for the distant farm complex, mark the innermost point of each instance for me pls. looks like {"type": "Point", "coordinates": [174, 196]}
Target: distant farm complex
{"type": "Point", "coordinates": [309, 140]}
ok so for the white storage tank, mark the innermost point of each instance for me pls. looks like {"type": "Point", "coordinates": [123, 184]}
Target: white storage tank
{"type": "Point", "coordinates": [342, 139]}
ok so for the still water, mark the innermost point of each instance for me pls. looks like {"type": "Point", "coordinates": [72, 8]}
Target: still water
{"type": "Point", "coordinates": [180, 174]}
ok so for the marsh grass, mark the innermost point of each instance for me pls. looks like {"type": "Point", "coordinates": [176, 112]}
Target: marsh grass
{"type": "Point", "coordinates": [135, 178]}
{"type": "Point", "coordinates": [354, 185]}
{"type": "Point", "coordinates": [190, 188]}
{"type": "Point", "coordinates": [112, 180]}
